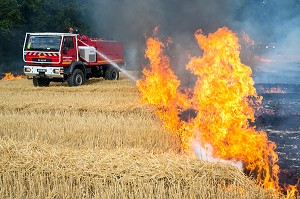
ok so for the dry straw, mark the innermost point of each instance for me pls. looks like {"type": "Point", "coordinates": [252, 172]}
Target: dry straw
{"type": "Point", "coordinates": [29, 170]}
{"type": "Point", "coordinates": [98, 141]}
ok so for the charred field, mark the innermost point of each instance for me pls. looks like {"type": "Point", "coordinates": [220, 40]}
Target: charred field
{"type": "Point", "coordinates": [280, 116]}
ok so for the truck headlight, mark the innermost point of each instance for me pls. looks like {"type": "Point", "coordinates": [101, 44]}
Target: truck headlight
{"type": "Point", "coordinates": [27, 69]}
{"type": "Point", "coordinates": [56, 71]}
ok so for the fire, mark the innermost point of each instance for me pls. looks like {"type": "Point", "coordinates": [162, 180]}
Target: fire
{"type": "Point", "coordinates": [9, 76]}
{"type": "Point", "coordinates": [291, 191]}
{"type": "Point", "coordinates": [161, 88]}
{"type": "Point", "coordinates": [223, 97]}
{"type": "Point", "coordinates": [19, 77]}
{"type": "Point", "coordinates": [222, 100]}
{"type": "Point", "coordinates": [272, 90]}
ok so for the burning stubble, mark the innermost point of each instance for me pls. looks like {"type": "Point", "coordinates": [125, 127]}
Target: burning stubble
{"type": "Point", "coordinates": [223, 100]}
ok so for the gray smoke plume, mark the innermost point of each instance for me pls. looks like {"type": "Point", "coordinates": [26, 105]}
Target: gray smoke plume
{"type": "Point", "coordinates": [131, 20]}
{"type": "Point", "coordinates": [265, 21]}
{"type": "Point", "coordinates": [274, 25]}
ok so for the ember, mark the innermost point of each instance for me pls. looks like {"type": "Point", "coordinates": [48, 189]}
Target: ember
{"type": "Point", "coordinates": [272, 90]}
{"type": "Point", "coordinates": [219, 111]}
{"type": "Point", "coordinates": [262, 59]}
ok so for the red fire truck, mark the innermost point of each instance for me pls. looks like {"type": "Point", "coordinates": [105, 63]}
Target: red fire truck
{"type": "Point", "coordinates": [70, 57]}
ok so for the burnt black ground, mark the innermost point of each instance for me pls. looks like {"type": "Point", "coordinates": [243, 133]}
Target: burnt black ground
{"type": "Point", "coordinates": [280, 118]}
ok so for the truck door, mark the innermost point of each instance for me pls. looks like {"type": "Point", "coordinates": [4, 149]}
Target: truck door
{"type": "Point", "coordinates": [69, 52]}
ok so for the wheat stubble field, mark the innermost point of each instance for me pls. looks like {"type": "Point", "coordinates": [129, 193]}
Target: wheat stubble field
{"type": "Point", "coordinates": [98, 141]}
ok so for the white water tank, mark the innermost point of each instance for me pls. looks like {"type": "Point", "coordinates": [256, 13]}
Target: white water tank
{"type": "Point", "coordinates": [88, 53]}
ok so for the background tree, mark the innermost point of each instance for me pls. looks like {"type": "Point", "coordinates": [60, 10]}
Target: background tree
{"type": "Point", "coordinates": [10, 18]}
{"type": "Point", "coordinates": [20, 16]}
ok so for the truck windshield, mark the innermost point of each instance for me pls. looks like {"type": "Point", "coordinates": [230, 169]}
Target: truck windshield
{"type": "Point", "coordinates": [43, 43]}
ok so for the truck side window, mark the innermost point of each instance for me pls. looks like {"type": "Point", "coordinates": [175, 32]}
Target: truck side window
{"type": "Point", "coordinates": [68, 42]}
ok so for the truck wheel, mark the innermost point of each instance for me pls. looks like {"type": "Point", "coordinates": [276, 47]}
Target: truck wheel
{"type": "Point", "coordinates": [46, 82]}
{"type": "Point", "coordinates": [111, 73]}
{"type": "Point", "coordinates": [35, 81]}
{"type": "Point", "coordinates": [76, 78]}
{"type": "Point", "coordinates": [40, 81]}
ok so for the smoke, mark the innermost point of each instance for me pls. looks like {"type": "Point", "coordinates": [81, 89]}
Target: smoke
{"type": "Point", "coordinates": [268, 20]}
{"type": "Point", "coordinates": [206, 153]}
{"type": "Point", "coordinates": [129, 21]}
{"type": "Point", "coordinates": [273, 23]}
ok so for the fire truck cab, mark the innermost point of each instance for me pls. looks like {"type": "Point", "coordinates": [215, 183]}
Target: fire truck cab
{"type": "Point", "coordinates": [70, 57]}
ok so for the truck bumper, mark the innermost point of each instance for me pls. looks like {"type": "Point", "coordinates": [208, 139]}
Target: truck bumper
{"type": "Point", "coordinates": [49, 72]}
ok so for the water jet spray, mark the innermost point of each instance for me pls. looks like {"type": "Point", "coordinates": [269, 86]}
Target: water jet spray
{"type": "Point", "coordinates": [113, 63]}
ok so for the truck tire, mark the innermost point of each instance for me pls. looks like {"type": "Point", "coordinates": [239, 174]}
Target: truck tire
{"type": "Point", "coordinates": [40, 81]}
{"type": "Point", "coordinates": [111, 73]}
{"type": "Point", "coordinates": [76, 78]}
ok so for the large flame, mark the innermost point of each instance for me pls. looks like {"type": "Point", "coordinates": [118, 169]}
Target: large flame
{"type": "Point", "coordinates": [222, 102]}
{"type": "Point", "coordinates": [160, 87]}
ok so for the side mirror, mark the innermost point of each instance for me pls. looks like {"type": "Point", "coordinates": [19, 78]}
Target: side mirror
{"type": "Point", "coordinates": [64, 50]}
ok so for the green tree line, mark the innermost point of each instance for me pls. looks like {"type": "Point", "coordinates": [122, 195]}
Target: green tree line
{"type": "Point", "coordinates": [20, 16]}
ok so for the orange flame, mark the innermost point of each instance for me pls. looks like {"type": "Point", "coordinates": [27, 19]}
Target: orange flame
{"type": "Point", "coordinates": [19, 77]}
{"type": "Point", "coordinates": [222, 100]}
{"type": "Point", "coordinates": [224, 92]}
{"type": "Point", "coordinates": [291, 191]}
{"type": "Point", "coordinates": [161, 88]}
{"type": "Point", "coordinates": [9, 76]}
